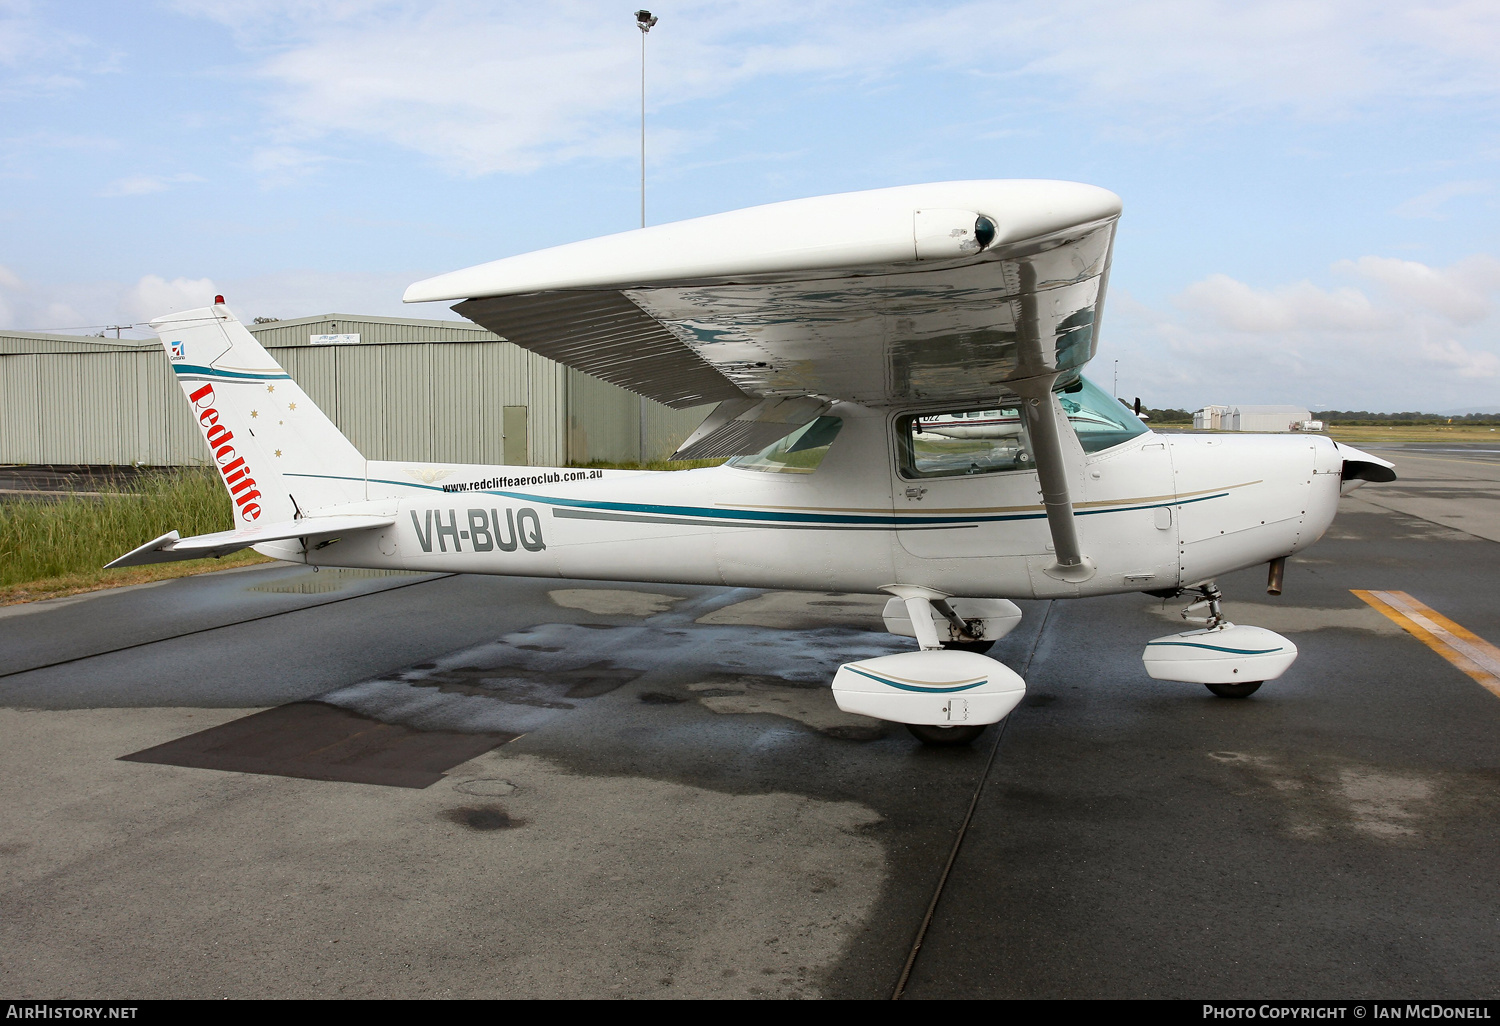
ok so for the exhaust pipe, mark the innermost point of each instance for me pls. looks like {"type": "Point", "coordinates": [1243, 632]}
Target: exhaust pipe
{"type": "Point", "coordinates": [1276, 570]}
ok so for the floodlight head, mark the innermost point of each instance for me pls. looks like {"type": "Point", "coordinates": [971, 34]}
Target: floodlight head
{"type": "Point", "coordinates": [644, 20]}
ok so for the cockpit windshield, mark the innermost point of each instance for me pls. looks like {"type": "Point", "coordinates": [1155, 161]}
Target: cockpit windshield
{"type": "Point", "coordinates": [1098, 420]}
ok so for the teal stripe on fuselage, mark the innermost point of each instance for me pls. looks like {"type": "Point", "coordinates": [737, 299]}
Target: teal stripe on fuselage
{"type": "Point", "coordinates": [757, 516]}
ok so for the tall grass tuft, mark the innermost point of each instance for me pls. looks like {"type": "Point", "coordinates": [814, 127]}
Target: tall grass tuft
{"type": "Point", "coordinates": [649, 465]}
{"type": "Point", "coordinates": [45, 537]}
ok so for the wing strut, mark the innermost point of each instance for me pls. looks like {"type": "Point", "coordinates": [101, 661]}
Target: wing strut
{"type": "Point", "coordinates": [1043, 415]}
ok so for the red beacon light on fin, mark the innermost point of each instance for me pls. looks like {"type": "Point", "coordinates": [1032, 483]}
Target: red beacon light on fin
{"type": "Point", "coordinates": [218, 301]}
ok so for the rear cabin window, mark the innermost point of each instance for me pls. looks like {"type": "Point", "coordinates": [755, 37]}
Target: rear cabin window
{"type": "Point", "coordinates": [798, 453]}
{"type": "Point", "coordinates": [963, 442]}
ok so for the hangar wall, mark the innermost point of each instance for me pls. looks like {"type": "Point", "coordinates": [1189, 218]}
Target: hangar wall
{"type": "Point", "coordinates": [421, 390]}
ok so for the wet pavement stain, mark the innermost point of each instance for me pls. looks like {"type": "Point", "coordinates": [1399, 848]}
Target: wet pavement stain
{"type": "Point", "coordinates": [810, 704]}
{"type": "Point", "coordinates": [606, 602]}
{"type": "Point", "coordinates": [1322, 799]}
{"type": "Point", "coordinates": [483, 817]}
{"type": "Point", "coordinates": [528, 677]}
{"type": "Point", "coordinates": [788, 610]}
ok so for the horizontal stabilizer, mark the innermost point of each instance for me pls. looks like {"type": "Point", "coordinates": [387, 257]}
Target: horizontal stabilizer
{"type": "Point", "coordinates": [739, 427]}
{"type": "Point", "coordinates": [172, 546]}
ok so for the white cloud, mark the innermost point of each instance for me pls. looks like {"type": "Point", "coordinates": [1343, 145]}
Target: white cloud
{"type": "Point", "coordinates": [1239, 307]}
{"type": "Point", "coordinates": [74, 308]}
{"type": "Point", "coordinates": [499, 85]}
{"type": "Point", "coordinates": [289, 294]}
{"type": "Point", "coordinates": [1429, 204]}
{"type": "Point", "coordinates": [83, 307]}
{"type": "Point", "coordinates": [282, 165]}
{"type": "Point", "coordinates": [1408, 336]}
{"type": "Point", "coordinates": [1459, 293]}
{"type": "Point", "coordinates": [1469, 363]}
{"type": "Point", "coordinates": [153, 296]}
{"type": "Point", "coordinates": [38, 59]}
{"type": "Point", "coordinates": [142, 185]}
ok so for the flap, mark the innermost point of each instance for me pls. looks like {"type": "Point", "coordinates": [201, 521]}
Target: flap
{"type": "Point", "coordinates": [739, 427]}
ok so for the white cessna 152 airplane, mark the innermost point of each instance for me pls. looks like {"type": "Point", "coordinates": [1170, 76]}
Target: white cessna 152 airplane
{"type": "Point", "coordinates": [832, 333]}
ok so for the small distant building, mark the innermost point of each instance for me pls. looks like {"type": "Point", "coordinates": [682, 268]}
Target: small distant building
{"type": "Point", "coordinates": [1254, 418]}
{"type": "Point", "coordinates": [1212, 418]}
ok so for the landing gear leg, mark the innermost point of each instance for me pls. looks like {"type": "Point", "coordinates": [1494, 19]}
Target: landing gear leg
{"type": "Point", "coordinates": [947, 737]}
{"type": "Point", "coordinates": [981, 647]}
{"type": "Point", "coordinates": [1211, 599]}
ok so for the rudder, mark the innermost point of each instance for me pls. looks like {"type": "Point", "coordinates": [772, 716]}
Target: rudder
{"type": "Point", "coordinates": [278, 454]}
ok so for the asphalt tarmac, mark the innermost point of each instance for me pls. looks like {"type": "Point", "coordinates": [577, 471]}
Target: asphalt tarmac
{"type": "Point", "coordinates": [668, 803]}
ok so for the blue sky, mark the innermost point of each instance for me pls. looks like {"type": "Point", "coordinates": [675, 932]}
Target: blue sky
{"type": "Point", "coordinates": [1310, 188]}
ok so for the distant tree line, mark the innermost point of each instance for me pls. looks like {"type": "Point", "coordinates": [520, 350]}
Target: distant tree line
{"type": "Point", "coordinates": [1356, 418]}
{"type": "Point", "coordinates": [1350, 418]}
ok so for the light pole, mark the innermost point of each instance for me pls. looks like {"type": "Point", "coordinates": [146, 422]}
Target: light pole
{"type": "Point", "coordinates": [643, 21]}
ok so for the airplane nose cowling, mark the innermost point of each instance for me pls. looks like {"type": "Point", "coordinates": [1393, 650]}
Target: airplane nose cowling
{"type": "Point", "coordinates": [1246, 499]}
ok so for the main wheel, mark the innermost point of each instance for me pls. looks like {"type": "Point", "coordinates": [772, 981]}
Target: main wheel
{"type": "Point", "coordinates": [1244, 690]}
{"type": "Point", "coordinates": [946, 737]}
{"type": "Point", "coordinates": [978, 647]}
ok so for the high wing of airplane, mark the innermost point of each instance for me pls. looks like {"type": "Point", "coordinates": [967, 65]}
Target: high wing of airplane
{"type": "Point", "coordinates": [899, 388]}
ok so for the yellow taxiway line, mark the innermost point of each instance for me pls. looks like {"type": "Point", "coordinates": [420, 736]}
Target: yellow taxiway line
{"type": "Point", "coordinates": [1459, 645]}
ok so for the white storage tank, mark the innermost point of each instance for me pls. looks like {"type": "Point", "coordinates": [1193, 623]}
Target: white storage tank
{"type": "Point", "coordinates": [1252, 418]}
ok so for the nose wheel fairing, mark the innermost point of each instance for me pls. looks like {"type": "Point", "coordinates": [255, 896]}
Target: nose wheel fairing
{"type": "Point", "coordinates": [1223, 654]}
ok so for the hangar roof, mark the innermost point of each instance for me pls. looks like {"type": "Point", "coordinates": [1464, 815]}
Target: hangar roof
{"type": "Point", "coordinates": [17, 342]}
{"type": "Point", "coordinates": [371, 330]}
{"type": "Point", "coordinates": [273, 334]}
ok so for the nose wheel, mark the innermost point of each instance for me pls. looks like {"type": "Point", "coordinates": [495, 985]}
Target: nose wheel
{"type": "Point", "coordinates": [1242, 690]}
{"type": "Point", "coordinates": [946, 737]}
{"type": "Point", "coordinates": [981, 647]}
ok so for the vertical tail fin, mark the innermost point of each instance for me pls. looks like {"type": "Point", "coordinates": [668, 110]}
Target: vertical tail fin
{"type": "Point", "coordinates": [278, 454]}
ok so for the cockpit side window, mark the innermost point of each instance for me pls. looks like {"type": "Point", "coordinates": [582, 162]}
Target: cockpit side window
{"type": "Point", "coordinates": [963, 443]}
{"type": "Point", "coordinates": [1098, 420]}
{"type": "Point", "coordinates": [798, 453]}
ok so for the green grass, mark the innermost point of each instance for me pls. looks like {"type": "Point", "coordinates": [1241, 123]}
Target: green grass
{"type": "Point", "coordinates": [43, 538]}
{"type": "Point", "coordinates": [1369, 434]}
{"type": "Point", "coordinates": [651, 465]}
{"type": "Point", "coordinates": [56, 546]}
